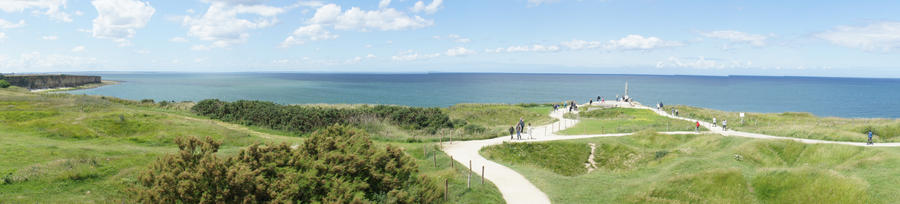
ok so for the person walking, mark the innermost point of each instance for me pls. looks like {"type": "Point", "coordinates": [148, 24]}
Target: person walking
{"type": "Point", "coordinates": [698, 126]}
{"type": "Point", "coordinates": [512, 131]}
{"type": "Point", "coordinates": [724, 125]}
{"type": "Point", "coordinates": [521, 125]}
{"type": "Point", "coordinates": [676, 112]}
{"type": "Point", "coordinates": [591, 102]}
{"type": "Point", "coordinates": [714, 121]}
{"type": "Point", "coordinates": [870, 138]}
{"type": "Point", "coordinates": [530, 131]}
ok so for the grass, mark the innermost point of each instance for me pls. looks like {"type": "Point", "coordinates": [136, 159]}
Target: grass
{"type": "Point", "coordinates": [559, 157]}
{"type": "Point", "coordinates": [62, 148]}
{"type": "Point", "coordinates": [710, 169]}
{"type": "Point", "coordinates": [801, 125]}
{"type": "Point", "coordinates": [492, 120]}
{"type": "Point", "coordinates": [625, 120]}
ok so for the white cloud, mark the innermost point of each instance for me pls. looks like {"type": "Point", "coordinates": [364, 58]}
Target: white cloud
{"type": "Point", "coordinates": [200, 47]}
{"type": "Point", "coordinates": [384, 4]}
{"type": "Point", "coordinates": [78, 49]}
{"type": "Point", "coordinates": [358, 19]}
{"type": "Point", "coordinates": [51, 8]}
{"type": "Point", "coordinates": [411, 56]}
{"type": "Point", "coordinates": [35, 60]}
{"type": "Point", "coordinates": [526, 48]}
{"type": "Point", "coordinates": [332, 16]}
{"type": "Point", "coordinates": [312, 32]}
{"type": "Point", "coordinates": [581, 44]}
{"type": "Point", "coordinates": [429, 9]}
{"type": "Point", "coordinates": [9, 25]}
{"type": "Point", "coordinates": [702, 63]}
{"type": "Point", "coordinates": [2, 37]}
{"type": "Point", "coordinates": [370, 56]}
{"type": "Point", "coordinates": [50, 37]}
{"type": "Point", "coordinates": [630, 42]}
{"type": "Point", "coordinates": [539, 2]}
{"type": "Point", "coordinates": [119, 20]}
{"type": "Point", "coordinates": [638, 42]}
{"type": "Point", "coordinates": [459, 51]}
{"type": "Point", "coordinates": [737, 37]}
{"type": "Point", "coordinates": [881, 36]}
{"type": "Point", "coordinates": [221, 25]}
{"type": "Point", "coordinates": [79, 13]}
{"type": "Point", "coordinates": [178, 40]}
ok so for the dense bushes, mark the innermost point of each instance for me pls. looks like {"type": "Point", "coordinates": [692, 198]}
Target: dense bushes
{"type": "Point", "coordinates": [338, 164]}
{"type": "Point", "coordinates": [4, 83]}
{"type": "Point", "coordinates": [309, 118]}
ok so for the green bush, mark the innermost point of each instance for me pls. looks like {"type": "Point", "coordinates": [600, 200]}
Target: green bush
{"type": "Point", "coordinates": [337, 164]}
{"type": "Point", "coordinates": [309, 118]}
{"type": "Point", "coordinates": [4, 84]}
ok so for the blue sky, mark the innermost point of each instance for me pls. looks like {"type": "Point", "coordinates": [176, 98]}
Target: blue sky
{"type": "Point", "coordinates": [808, 38]}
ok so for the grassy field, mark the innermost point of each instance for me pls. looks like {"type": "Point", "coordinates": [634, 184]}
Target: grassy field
{"type": "Point", "coordinates": [801, 125]}
{"type": "Point", "coordinates": [492, 120]}
{"type": "Point", "coordinates": [625, 120]}
{"type": "Point", "coordinates": [61, 148]}
{"type": "Point", "coordinates": [655, 168]}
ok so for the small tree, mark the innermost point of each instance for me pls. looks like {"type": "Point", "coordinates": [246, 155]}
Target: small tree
{"type": "Point", "coordinates": [4, 84]}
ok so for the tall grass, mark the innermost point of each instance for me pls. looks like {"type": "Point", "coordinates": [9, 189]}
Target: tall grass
{"type": "Point", "coordinates": [800, 125]}
{"type": "Point", "coordinates": [625, 120]}
{"type": "Point", "coordinates": [715, 169]}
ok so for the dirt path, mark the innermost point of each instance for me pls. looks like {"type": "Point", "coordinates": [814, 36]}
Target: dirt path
{"type": "Point", "coordinates": [718, 130]}
{"type": "Point", "coordinates": [590, 164]}
{"type": "Point", "coordinates": [517, 189]}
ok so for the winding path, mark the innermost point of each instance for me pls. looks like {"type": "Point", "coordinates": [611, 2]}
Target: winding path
{"type": "Point", "coordinates": [517, 189]}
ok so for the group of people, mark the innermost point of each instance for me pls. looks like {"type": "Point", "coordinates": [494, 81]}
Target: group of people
{"type": "Point", "coordinates": [520, 128]}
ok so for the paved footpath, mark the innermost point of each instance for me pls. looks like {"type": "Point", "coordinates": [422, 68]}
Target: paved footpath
{"type": "Point", "coordinates": [517, 189]}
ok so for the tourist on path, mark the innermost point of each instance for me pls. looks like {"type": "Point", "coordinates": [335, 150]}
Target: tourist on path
{"type": "Point", "coordinates": [530, 131]}
{"type": "Point", "coordinates": [724, 124]}
{"type": "Point", "coordinates": [591, 102]}
{"type": "Point", "coordinates": [512, 131]}
{"type": "Point", "coordinates": [698, 126]}
{"type": "Point", "coordinates": [521, 127]}
{"type": "Point", "coordinates": [714, 121]}
{"type": "Point", "coordinates": [870, 138]}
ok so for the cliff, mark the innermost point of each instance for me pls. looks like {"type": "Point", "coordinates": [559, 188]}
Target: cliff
{"type": "Point", "coordinates": [49, 81]}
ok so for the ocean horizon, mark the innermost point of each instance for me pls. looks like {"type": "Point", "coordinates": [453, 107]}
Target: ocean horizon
{"type": "Point", "coordinates": [823, 96]}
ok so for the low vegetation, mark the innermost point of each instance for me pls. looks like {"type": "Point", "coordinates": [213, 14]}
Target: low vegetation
{"type": "Point", "coordinates": [560, 157]}
{"type": "Point", "coordinates": [3, 83]}
{"type": "Point", "coordinates": [624, 120]}
{"type": "Point", "coordinates": [337, 164]}
{"type": "Point", "coordinates": [657, 168]}
{"type": "Point", "coordinates": [62, 148]}
{"type": "Point", "coordinates": [801, 125]}
{"type": "Point", "coordinates": [492, 120]}
{"type": "Point", "coordinates": [308, 118]}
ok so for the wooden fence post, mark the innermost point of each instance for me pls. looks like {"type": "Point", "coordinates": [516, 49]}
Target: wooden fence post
{"type": "Point", "coordinates": [446, 188]}
{"type": "Point", "coordinates": [482, 174]}
{"type": "Point", "coordinates": [451, 161]}
{"type": "Point", "coordinates": [434, 156]}
{"type": "Point", "coordinates": [469, 178]}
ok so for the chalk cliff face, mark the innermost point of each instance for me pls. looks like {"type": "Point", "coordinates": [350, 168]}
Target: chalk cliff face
{"type": "Point", "coordinates": [50, 81]}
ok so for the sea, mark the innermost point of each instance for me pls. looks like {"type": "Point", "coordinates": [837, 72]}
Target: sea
{"type": "Point", "coordinates": [840, 97]}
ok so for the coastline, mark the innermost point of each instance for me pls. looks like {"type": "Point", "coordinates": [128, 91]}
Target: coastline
{"type": "Point", "coordinates": [86, 86]}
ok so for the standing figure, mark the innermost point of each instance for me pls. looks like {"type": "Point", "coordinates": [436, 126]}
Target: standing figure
{"type": "Point", "coordinates": [870, 138]}
{"type": "Point", "coordinates": [724, 124]}
{"type": "Point", "coordinates": [714, 121]}
{"type": "Point", "coordinates": [512, 131]}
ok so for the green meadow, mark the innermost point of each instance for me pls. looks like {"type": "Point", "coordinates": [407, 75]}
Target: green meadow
{"type": "Point", "coordinates": [654, 168]}
{"type": "Point", "coordinates": [62, 148]}
{"type": "Point", "coordinates": [801, 125]}
{"type": "Point", "coordinates": [624, 120]}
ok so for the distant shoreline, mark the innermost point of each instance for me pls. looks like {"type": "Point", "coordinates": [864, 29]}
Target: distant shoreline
{"type": "Point", "coordinates": [86, 86]}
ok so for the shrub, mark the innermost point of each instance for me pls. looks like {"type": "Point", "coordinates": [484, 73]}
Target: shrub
{"type": "Point", "coordinates": [337, 164]}
{"type": "Point", "coordinates": [146, 100]}
{"type": "Point", "coordinates": [4, 84]}
{"type": "Point", "coordinates": [308, 118]}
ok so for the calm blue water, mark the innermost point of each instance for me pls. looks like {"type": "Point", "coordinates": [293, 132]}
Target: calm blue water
{"type": "Point", "coordinates": [844, 97]}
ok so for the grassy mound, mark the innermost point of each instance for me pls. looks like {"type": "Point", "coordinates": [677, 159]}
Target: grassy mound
{"type": "Point", "coordinates": [496, 119]}
{"type": "Point", "coordinates": [625, 120]}
{"type": "Point", "coordinates": [712, 186]}
{"type": "Point", "coordinates": [808, 185]}
{"type": "Point", "coordinates": [654, 168]}
{"type": "Point", "coordinates": [560, 157]}
{"type": "Point", "coordinates": [801, 125]}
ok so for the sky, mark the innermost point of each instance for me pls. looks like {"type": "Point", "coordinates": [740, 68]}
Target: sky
{"type": "Point", "coordinates": [715, 37]}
